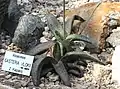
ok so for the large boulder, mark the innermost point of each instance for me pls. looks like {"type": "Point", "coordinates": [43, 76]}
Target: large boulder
{"type": "Point", "coordinates": [28, 31]}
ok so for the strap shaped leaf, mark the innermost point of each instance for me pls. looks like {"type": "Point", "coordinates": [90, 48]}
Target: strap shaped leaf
{"type": "Point", "coordinates": [78, 37]}
{"type": "Point", "coordinates": [58, 50]}
{"type": "Point", "coordinates": [37, 68]}
{"type": "Point", "coordinates": [54, 26]}
{"type": "Point", "coordinates": [40, 48]}
{"type": "Point", "coordinates": [82, 56]}
{"type": "Point", "coordinates": [69, 23]}
{"type": "Point", "coordinates": [62, 72]}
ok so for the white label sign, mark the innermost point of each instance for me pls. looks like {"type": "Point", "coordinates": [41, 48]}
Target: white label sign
{"type": "Point", "coordinates": [17, 63]}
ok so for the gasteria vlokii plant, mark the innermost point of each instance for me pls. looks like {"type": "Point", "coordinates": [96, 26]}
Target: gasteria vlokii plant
{"type": "Point", "coordinates": [65, 58]}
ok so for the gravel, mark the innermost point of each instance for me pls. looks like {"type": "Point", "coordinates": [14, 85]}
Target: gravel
{"type": "Point", "coordinates": [94, 72]}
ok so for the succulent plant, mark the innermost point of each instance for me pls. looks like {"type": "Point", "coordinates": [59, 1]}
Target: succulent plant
{"type": "Point", "coordinates": [98, 20]}
{"type": "Point", "coordinates": [66, 57]}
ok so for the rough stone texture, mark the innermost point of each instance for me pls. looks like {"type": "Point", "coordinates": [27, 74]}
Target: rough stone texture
{"type": "Point", "coordinates": [89, 81]}
{"type": "Point", "coordinates": [114, 38]}
{"type": "Point", "coordinates": [95, 27]}
{"type": "Point", "coordinates": [4, 4]}
{"type": "Point", "coordinates": [28, 32]}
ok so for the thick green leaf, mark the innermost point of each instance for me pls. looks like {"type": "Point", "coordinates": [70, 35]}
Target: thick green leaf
{"type": "Point", "coordinates": [37, 68]}
{"type": "Point", "coordinates": [69, 23]}
{"type": "Point", "coordinates": [76, 73]}
{"type": "Point", "coordinates": [79, 37]}
{"type": "Point", "coordinates": [62, 72]}
{"type": "Point", "coordinates": [82, 56]}
{"type": "Point", "coordinates": [67, 46]}
{"type": "Point", "coordinates": [58, 50]}
{"type": "Point", "coordinates": [55, 26]}
{"type": "Point", "coordinates": [48, 62]}
{"type": "Point", "coordinates": [40, 48]}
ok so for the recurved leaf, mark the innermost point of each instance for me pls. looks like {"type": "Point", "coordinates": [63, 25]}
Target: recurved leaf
{"type": "Point", "coordinates": [40, 48]}
{"type": "Point", "coordinates": [79, 37]}
{"type": "Point", "coordinates": [70, 21]}
{"type": "Point", "coordinates": [37, 68]}
{"type": "Point", "coordinates": [54, 25]}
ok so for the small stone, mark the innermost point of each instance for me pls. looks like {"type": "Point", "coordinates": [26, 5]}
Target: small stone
{"type": "Point", "coordinates": [48, 74]}
{"type": "Point", "coordinates": [45, 33]}
{"type": "Point", "coordinates": [25, 1]}
{"type": "Point", "coordinates": [57, 83]}
{"type": "Point", "coordinates": [34, 13]}
{"type": "Point", "coordinates": [114, 38]}
{"type": "Point", "coordinates": [4, 46]}
{"type": "Point", "coordinates": [14, 77]}
{"type": "Point", "coordinates": [24, 83]}
{"type": "Point", "coordinates": [2, 75]}
{"type": "Point", "coordinates": [46, 29]}
{"type": "Point", "coordinates": [17, 84]}
{"type": "Point", "coordinates": [19, 2]}
{"type": "Point", "coordinates": [8, 37]}
{"type": "Point", "coordinates": [28, 8]}
{"type": "Point", "coordinates": [53, 38]}
{"type": "Point", "coordinates": [53, 78]}
{"type": "Point", "coordinates": [43, 39]}
{"type": "Point", "coordinates": [42, 85]}
{"type": "Point", "coordinates": [60, 19]}
{"type": "Point", "coordinates": [3, 41]}
{"type": "Point", "coordinates": [8, 76]}
{"type": "Point", "coordinates": [8, 41]}
{"type": "Point", "coordinates": [2, 51]}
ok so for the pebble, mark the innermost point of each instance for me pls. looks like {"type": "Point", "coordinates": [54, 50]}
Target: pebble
{"type": "Point", "coordinates": [8, 76]}
{"type": "Point", "coordinates": [42, 85]}
{"type": "Point", "coordinates": [54, 80]}
{"type": "Point", "coordinates": [43, 39]}
{"type": "Point", "coordinates": [2, 74]}
{"type": "Point", "coordinates": [2, 51]}
{"type": "Point", "coordinates": [45, 33]}
{"type": "Point", "coordinates": [46, 28]}
{"type": "Point", "coordinates": [60, 19]}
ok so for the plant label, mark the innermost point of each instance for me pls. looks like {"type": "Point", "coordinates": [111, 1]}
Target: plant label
{"type": "Point", "coordinates": [17, 63]}
{"type": "Point", "coordinates": [116, 65]}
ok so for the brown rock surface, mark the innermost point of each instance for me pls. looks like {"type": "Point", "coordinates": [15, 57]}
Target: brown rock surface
{"type": "Point", "coordinates": [93, 13]}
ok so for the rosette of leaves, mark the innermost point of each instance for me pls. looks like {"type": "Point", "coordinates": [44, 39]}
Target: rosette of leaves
{"type": "Point", "coordinates": [66, 56]}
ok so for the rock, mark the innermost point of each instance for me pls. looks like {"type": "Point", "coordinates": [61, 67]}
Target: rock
{"type": "Point", "coordinates": [48, 74]}
{"type": "Point", "coordinates": [2, 75]}
{"type": "Point", "coordinates": [53, 78]}
{"type": "Point", "coordinates": [5, 87]}
{"type": "Point", "coordinates": [102, 74]}
{"type": "Point", "coordinates": [28, 8]}
{"type": "Point", "coordinates": [45, 33]}
{"type": "Point", "coordinates": [46, 28]}
{"type": "Point", "coordinates": [28, 32]}
{"type": "Point", "coordinates": [25, 1]}
{"type": "Point", "coordinates": [24, 83]}
{"type": "Point", "coordinates": [18, 84]}
{"type": "Point", "coordinates": [8, 76]}
{"type": "Point", "coordinates": [2, 51]}
{"type": "Point", "coordinates": [105, 57]}
{"type": "Point", "coordinates": [42, 85]}
{"type": "Point", "coordinates": [14, 12]}
{"type": "Point", "coordinates": [114, 38]}
{"type": "Point", "coordinates": [60, 19]}
{"type": "Point", "coordinates": [43, 39]}
{"type": "Point", "coordinates": [9, 83]}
